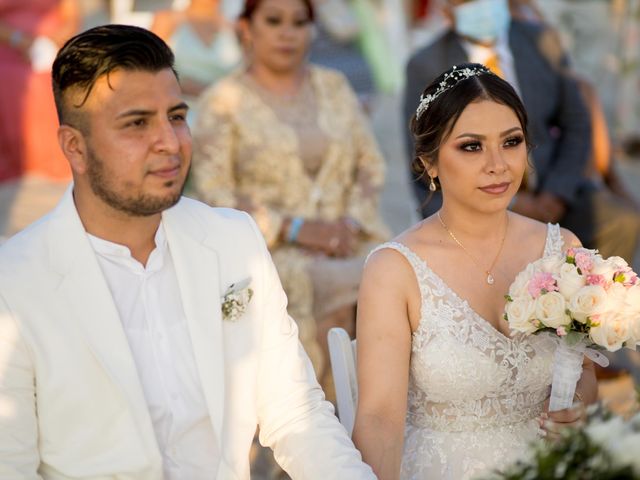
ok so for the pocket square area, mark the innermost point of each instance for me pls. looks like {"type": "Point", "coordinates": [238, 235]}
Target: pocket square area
{"type": "Point", "coordinates": [236, 299]}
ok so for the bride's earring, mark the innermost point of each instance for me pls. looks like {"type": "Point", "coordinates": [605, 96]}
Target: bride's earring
{"type": "Point", "coordinates": [432, 184]}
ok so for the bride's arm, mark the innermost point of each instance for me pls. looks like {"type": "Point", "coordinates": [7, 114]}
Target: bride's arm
{"type": "Point", "coordinates": [384, 348]}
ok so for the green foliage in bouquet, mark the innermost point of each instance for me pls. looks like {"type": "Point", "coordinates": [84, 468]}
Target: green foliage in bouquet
{"type": "Point", "coordinates": [606, 448]}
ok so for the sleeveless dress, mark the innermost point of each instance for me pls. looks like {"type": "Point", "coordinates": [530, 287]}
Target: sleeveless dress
{"type": "Point", "coordinates": [474, 394]}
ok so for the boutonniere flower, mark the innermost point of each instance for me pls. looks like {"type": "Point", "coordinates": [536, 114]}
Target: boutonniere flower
{"type": "Point", "coordinates": [236, 299]}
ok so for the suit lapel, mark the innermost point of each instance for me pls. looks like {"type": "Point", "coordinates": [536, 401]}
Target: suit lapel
{"type": "Point", "coordinates": [90, 305]}
{"type": "Point", "coordinates": [454, 53]}
{"type": "Point", "coordinates": [197, 270]}
{"type": "Point", "coordinates": [516, 45]}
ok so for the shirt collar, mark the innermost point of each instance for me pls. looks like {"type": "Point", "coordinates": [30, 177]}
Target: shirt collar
{"type": "Point", "coordinates": [120, 254]}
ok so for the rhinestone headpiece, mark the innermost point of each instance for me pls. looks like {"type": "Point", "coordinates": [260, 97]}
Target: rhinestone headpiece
{"type": "Point", "coordinates": [449, 81]}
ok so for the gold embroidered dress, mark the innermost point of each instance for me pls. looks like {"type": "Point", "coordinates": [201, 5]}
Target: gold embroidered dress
{"type": "Point", "coordinates": [312, 155]}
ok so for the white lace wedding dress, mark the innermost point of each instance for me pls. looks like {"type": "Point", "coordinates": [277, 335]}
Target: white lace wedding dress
{"type": "Point", "coordinates": [474, 394]}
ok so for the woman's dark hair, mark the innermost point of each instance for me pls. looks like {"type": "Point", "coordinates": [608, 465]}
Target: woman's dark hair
{"type": "Point", "coordinates": [250, 7]}
{"type": "Point", "coordinates": [99, 51]}
{"type": "Point", "coordinates": [434, 124]}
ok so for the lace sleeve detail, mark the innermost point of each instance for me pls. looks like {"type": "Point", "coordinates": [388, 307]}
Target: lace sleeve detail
{"type": "Point", "coordinates": [554, 244]}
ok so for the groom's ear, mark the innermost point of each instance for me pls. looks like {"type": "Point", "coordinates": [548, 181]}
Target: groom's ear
{"type": "Point", "coordinates": [73, 145]}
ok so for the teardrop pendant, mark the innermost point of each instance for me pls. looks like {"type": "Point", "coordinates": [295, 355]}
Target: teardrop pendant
{"type": "Point", "coordinates": [490, 279]}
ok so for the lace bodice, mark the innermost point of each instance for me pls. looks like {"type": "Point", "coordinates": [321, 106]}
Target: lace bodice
{"type": "Point", "coordinates": [469, 384]}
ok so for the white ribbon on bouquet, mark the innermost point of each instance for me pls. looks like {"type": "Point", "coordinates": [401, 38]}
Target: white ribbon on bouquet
{"type": "Point", "coordinates": [567, 369]}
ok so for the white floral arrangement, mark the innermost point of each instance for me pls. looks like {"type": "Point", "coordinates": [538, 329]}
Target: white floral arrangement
{"type": "Point", "coordinates": [236, 300]}
{"type": "Point", "coordinates": [583, 300]}
{"type": "Point", "coordinates": [607, 447]}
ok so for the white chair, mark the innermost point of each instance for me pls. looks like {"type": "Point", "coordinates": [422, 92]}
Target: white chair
{"type": "Point", "coordinates": [342, 353]}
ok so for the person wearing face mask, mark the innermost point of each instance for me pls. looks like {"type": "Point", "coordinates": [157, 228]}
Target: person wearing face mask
{"type": "Point", "coordinates": [287, 141]}
{"type": "Point", "coordinates": [528, 56]}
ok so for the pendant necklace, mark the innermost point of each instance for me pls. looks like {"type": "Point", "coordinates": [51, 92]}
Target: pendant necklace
{"type": "Point", "coordinates": [490, 280]}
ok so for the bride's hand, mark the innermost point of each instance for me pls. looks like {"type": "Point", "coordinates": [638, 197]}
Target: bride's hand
{"type": "Point", "coordinates": [552, 423]}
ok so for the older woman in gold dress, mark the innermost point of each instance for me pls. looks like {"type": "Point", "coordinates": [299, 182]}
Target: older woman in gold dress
{"type": "Point", "coordinates": [288, 142]}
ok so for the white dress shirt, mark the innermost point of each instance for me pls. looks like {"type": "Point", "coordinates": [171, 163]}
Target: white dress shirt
{"type": "Point", "coordinates": [480, 53]}
{"type": "Point", "coordinates": [148, 301]}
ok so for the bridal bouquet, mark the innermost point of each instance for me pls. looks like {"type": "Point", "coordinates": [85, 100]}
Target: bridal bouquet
{"type": "Point", "coordinates": [583, 299]}
{"type": "Point", "coordinates": [606, 448]}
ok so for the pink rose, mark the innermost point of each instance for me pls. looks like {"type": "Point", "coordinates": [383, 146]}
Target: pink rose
{"type": "Point", "coordinates": [542, 282]}
{"type": "Point", "coordinates": [597, 280]}
{"type": "Point", "coordinates": [584, 261]}
{"type": "Point", "coordinates": [571, 252]}
{"type": "Point", "coordinates": [561, 331]}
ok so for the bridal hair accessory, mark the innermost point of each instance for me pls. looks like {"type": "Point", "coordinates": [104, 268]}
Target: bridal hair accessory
{"type": "Point", "coordinates": [490, 280]}
{"type": "Point", "coordinates": [236, 299]}
{"type": "Point", "coordinates": [584, 301]}
{"type": "Point", "coordinates": [449, 81]}
{"type": "Point", "coordinates": [432, 184]}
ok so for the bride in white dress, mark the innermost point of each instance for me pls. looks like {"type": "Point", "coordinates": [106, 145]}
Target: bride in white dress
{"type": "Point", "coordinates": [445, 392]}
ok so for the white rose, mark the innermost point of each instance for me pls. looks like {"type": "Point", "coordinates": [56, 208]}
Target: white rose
{"type": "Point", "coordinates": [616, 298]}
{"type": "Point", "coordinates": [607, 268]}
{"type": "Point", "coordinates": [632, 300]}
{"type": "Point", "coordinates": [570, 281]}
{"type": "Point", "coordinates": [619, 262]}
{"type": "Point", "coordinates": [518, 288]}
{"type": "Point", "coordinates": [632, 310]}
{"type": "Point", "coordinates": [612, 331]}
{"type": "Point", "coordinates": [589, 300]}
{"type": "Point", "coordinates": [520, 313]}
{"type": "Point", "coordinates": [551, 263]}
{"type": "Point", "coordinates": [551, 310]}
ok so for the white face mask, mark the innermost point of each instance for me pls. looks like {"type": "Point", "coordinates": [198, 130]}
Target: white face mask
{"type": "Point", "coordinates": [482, 20]}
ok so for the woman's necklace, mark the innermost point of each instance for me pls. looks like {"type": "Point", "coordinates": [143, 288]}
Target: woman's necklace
{"type": "Point", "coordinates": [490, 279]}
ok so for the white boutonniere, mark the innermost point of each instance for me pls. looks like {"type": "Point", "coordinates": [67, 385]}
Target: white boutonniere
{"type": "Point", "coordinates": [236, 299]}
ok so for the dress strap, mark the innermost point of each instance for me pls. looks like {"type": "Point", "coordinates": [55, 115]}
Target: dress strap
{"type": "Point", "coordinates": [554, 244]}
{"type": "Point", "coordinates": [414, 260]}
{"type": "Point", "coordinates": [417, 264]}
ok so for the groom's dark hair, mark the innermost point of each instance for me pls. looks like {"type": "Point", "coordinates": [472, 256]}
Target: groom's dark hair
{"type": "Point", "coordinates": [97, 52]}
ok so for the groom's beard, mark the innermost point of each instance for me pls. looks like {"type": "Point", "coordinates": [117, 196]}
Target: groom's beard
{"type": "Point", "coordinates": [116, 196]}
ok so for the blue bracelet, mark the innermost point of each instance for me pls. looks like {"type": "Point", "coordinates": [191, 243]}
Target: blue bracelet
{"type": "Point", "coordinates": [294, 229]}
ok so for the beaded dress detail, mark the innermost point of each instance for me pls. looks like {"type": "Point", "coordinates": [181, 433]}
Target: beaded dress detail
{"type": "Point", "coordinates": [474, 394]}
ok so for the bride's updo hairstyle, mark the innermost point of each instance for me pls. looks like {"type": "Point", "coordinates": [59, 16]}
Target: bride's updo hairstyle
{"type": "Point", "coordinates": [444, 100]}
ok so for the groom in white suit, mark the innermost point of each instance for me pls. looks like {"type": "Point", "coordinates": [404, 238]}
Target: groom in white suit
{"type": "Point", "coordinates": [144, 335]}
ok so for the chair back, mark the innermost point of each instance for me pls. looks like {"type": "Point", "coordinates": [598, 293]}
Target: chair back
{"type": "Point", "coordinates": [342, 353]}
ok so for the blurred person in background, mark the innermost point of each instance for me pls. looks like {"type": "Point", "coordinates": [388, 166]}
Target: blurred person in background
{"type": "Point", "coordinates": [30, 34]}
{"type": "Point", "coordinates": [204, 43]}
{"type": "Point", "coordinates": [528, 55]}
{"type": "Point", "coordinates": [288, 142]}
{"type": "Point", "coordinates": [336, 45]}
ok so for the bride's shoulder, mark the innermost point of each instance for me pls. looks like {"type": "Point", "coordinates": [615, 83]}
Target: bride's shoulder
{"type": "Point", "coordinates": [528, 228]}
{"type": "Point", "coordinates": [403, 251]}
{"type": "Point", "coordinates": [534, 231]}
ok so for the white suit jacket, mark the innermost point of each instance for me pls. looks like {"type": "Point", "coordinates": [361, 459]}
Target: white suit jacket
{"type": "Point", "coordinates": [71, 403]}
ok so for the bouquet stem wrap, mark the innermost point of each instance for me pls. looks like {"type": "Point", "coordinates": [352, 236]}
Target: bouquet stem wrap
{"type": "Point", "coordinates": [567, 368]}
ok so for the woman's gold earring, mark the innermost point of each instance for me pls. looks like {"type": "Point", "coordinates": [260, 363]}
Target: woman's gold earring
{"type": "Point", "coordinates": [432, 184]}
